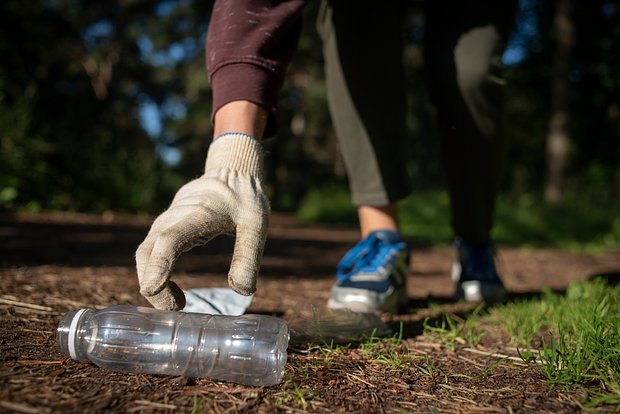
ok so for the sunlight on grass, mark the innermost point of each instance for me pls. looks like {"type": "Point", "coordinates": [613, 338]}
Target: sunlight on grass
{"type": "Point", "coordinates": [573, 339]}
{"type": "Point", "coordinates": [453, 330]}
{"type": "Point", "coordinates": [531, 319]}
{"type": "Point", "coordinates": [576, 336]}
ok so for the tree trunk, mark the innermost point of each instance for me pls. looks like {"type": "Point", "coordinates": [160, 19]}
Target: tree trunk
{"type": "Point", "coordinates": [558, 137]}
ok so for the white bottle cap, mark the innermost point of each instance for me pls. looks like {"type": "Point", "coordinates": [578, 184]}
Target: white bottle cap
{"type": "Point", "coordinates": [73, 332]}
{"type": "Point", "coordinates": [67, 332]}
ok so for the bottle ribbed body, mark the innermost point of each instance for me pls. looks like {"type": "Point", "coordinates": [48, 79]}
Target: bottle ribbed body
{"type": "Point", "coordinates": [247, 349]}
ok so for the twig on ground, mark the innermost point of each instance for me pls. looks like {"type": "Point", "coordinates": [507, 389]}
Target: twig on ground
{"type": "Point", "coordinates": [471, 361]}
{"type": "Point", "coordinates": [355, 377]}
{"type": "Point", "coordinates": [152, 404]}
{"type": "Point", "coordinates": [38, 362]}
{"type": "Point", "coordinates": [25, 305]}
{"type": "Point", "coordinates": [517, 360]}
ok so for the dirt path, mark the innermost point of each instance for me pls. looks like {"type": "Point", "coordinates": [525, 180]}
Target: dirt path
{"type": "Point", "coordinates": [53, 263]}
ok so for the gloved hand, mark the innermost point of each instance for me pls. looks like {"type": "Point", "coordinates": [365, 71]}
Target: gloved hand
{"type": "Point", "coordinates": [228, 198]}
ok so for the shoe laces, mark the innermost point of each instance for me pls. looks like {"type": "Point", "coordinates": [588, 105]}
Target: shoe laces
{"type": "Point", "coordinates": [375, 251]}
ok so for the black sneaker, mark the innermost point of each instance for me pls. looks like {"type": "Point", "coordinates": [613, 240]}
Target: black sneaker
{"type": "Point", "coordinates": [475, 275]}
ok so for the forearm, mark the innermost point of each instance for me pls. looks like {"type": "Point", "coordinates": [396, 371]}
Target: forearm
{"type": "Point", "coordinates": [240, 116]}
{"type": "Point", "coordinates": [249, 46]}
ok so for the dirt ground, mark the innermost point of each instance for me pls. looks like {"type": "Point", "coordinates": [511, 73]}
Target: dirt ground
{"type": "Point", "coordinates": [53, 263]}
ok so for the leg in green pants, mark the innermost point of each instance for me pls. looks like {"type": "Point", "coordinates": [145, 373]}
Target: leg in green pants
{"type": "Point", "coordinates": [363, 47]}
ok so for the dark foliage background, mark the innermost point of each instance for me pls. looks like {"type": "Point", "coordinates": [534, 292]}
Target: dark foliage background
{"type": "Point", "coordinates": [106, 105]}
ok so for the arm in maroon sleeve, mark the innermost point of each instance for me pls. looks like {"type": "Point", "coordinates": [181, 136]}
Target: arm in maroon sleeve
{"type": "Point", "coordinates": [249, 46]}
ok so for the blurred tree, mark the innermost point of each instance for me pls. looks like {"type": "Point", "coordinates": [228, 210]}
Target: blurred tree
{"type": "Point", "coordinates": [74, 79]}
{"type": "Point", "coordinates": [590, 97]}
{"type": "Point", "coordinates": [558, 137]}
{"type": "Point", "coordinates": [595, 76]}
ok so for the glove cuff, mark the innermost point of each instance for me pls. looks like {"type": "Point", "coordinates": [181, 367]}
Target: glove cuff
{"type": "Point", "coordinates": [238, 152]}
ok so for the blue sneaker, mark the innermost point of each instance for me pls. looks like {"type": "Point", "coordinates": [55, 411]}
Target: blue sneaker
{"type": "Point", "coordinates": [372, 275]}
{"type": "Point", "coordinates": [475, 275]}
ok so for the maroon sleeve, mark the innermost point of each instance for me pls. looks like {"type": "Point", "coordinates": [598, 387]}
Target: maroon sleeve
{"type": "Point", "coordinates": [249, 46]}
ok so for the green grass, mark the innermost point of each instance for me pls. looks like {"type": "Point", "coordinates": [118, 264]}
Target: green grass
{"type": "Point", "coordinates": [576, 224]}
{"type": "Point", "coordinates": [580, 223]}
{"type": "Point", "coordinates": [571, 338]}
{"type": "Point", "coordinates": [452, 330]}
{"type": "Point", "coordinates": [329, 204]}
{"type": "Point", "coordinates": [574, 338]}
{"type": "Point", "coordinates": [298, 395]}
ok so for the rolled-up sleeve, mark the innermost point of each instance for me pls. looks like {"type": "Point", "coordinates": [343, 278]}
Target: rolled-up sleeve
{"type": "Point", "coordinates": [249, 46]}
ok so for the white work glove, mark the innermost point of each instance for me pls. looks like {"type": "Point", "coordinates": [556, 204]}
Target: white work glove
{"type": "Point", "coordinates": [228, 198]}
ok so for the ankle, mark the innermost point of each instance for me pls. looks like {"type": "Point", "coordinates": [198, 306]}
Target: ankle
{"type": "Point", "coordinates": [373, 218]}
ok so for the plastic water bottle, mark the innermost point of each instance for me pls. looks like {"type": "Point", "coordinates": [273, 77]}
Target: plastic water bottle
{"type": "Point", "coordinates": [247, 349]}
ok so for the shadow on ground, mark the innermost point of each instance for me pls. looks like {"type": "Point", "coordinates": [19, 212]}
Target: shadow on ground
{"type": "Point", "coordinates": [297, 267]}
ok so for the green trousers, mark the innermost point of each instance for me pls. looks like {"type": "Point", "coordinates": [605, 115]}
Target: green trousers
{"type": "Point", "coordinates": [464, 41]}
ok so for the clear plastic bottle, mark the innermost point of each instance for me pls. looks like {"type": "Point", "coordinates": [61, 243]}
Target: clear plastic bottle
{"type": "Point", "coordinates": [247, 349]}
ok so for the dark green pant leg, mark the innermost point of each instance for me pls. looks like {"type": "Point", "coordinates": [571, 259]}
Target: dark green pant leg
{"type": "Point", "coordinates": [362, 44]}
{"type": "Point", "coordinates": [464, 45]}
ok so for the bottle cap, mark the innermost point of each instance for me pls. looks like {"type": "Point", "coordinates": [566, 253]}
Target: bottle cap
{"type": "Point", "coordinates": [66, 333]}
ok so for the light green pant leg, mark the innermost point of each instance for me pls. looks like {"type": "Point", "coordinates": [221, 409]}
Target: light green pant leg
{"type": "Point", "coordinates": [362, 43]}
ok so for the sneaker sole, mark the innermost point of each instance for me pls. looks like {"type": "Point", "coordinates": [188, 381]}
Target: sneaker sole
{"type": "Point", "coordinates": [365, 301]}
{"type": "Point", "coordinates": [475, 291]}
